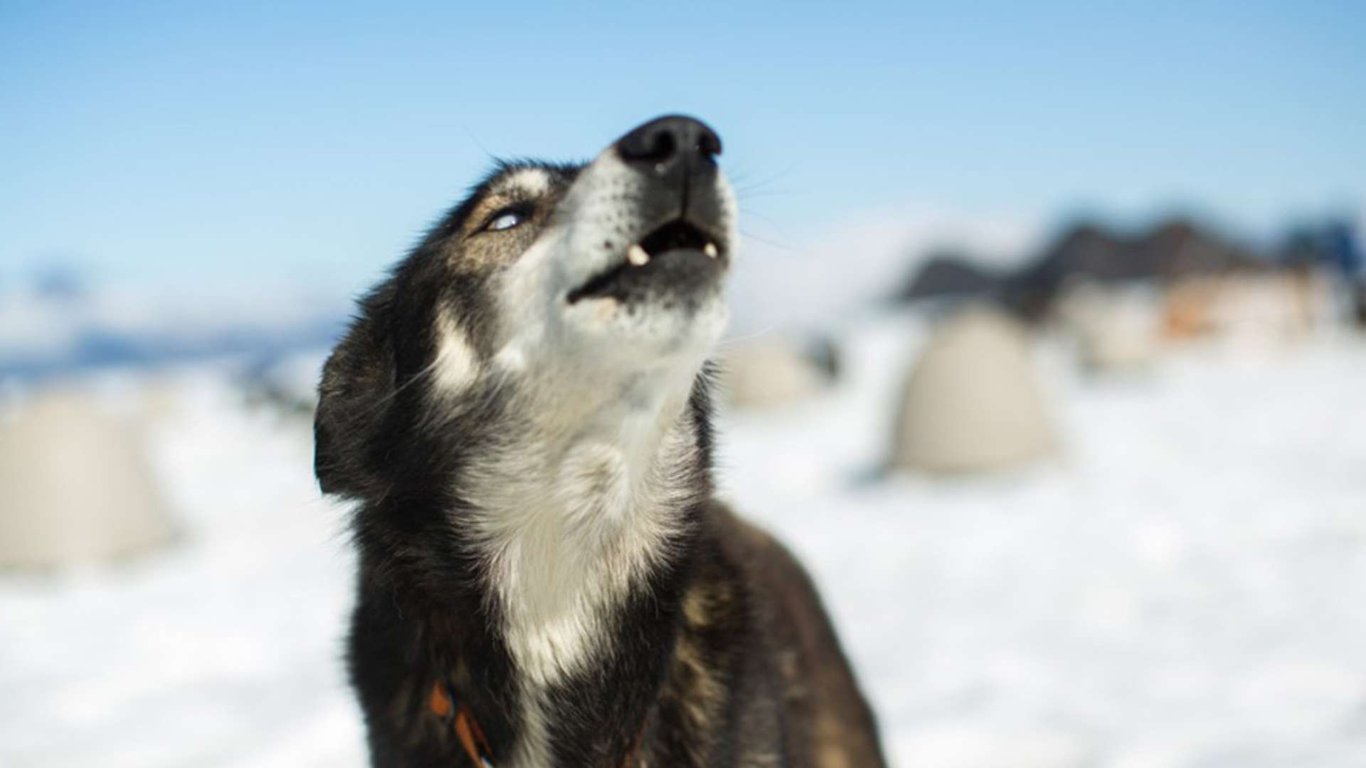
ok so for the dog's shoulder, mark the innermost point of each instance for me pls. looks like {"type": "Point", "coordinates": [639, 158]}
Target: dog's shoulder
{"type": "Point", "coordinates": [825, 714]}
{"type": "Point", "coordinates": [778, 586]}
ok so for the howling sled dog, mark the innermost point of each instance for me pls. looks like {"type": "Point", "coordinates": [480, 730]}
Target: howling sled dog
{"type": "Point", "coordinates": [522, 412]}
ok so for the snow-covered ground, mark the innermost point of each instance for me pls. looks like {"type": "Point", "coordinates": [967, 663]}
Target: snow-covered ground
{"type": "Point", "coordinates": [1185, 587]}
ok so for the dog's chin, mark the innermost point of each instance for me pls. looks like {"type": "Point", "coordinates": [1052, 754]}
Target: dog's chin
{"type": "Point", "coordinates": [664, 298]}
{"type": "Point", "coordinates": [649, 325]}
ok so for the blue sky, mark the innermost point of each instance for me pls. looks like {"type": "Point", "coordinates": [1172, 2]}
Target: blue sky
{"type": "Point", "coordinates": [199, 145]}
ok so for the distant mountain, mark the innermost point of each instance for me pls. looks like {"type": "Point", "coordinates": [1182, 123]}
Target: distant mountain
{"type": "Point", "coordinates": [1180, 248]}
{"type": "Point", "coordinates": [1333, 244]}
{"type": "Point", "coordinates": [57, 330]}
{"type": "Point", "coordinates": [1171, 250]}
{"type": "Point", "coordinates": [949, 275]}
{"type": "Point", "coordinates": [1174, 249]}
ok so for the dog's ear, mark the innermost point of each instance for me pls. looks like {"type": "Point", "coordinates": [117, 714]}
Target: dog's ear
{"type": "Point", "coordinates": [353, 402]}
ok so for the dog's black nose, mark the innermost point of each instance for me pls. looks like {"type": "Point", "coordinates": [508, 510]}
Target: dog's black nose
{"type": "Point", "coordinates": [670, 144]}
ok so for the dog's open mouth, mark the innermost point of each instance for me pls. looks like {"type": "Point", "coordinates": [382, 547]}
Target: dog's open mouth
{"type": "Point", "coordinates": [677, 253]}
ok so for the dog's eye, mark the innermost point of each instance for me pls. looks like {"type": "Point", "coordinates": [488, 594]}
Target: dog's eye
{"type": "Point", "coordinates": [505, 219]}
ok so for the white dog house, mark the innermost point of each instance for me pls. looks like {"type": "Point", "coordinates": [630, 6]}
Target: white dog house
{"type": "Point", "coordinates": [1116, 329]}
{"type": "Point", "coordinates": [974, 402]}
{"type": "Point", "coordinates": [75, 486]}
{"type": "Point", "coordinates": [770, 373]}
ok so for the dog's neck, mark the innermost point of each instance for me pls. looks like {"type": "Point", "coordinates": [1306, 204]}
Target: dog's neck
{"type": "Point", "coordinates": [583, 502]}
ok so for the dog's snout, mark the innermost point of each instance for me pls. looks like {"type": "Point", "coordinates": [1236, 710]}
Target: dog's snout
{"type": "Point", "coordinates": [670, 145]}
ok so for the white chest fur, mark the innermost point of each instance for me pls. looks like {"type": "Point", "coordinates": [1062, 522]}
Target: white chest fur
{"type": "Point", "coordinates": [584, 531]}
{"type": "Point", "coordinates": [567, 527]}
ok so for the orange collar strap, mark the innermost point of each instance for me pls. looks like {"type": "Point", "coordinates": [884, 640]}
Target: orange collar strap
{"type": "Point", "coordinates": [471, 736]}
{"type": "Point", "coordinates": [467, 730]}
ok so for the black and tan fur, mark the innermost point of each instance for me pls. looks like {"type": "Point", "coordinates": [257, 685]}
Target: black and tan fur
{"type": "Point", "coordinates": [521, 411]}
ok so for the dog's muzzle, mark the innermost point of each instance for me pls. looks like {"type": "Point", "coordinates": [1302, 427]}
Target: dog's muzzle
{"type": "Point", "coordinates": [684, 246]}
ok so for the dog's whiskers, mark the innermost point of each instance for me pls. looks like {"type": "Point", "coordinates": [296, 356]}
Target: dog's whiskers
{"type": "Point", "coordinates": [731, 341]}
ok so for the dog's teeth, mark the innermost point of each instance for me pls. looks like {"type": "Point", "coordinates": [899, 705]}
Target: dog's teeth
{"type": "Point", "coordinates": [710, 249]}
{"type": "Point", "coordinates": [637, 256]}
